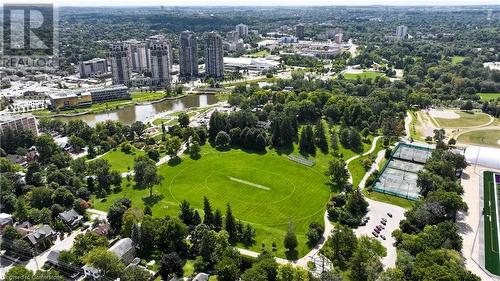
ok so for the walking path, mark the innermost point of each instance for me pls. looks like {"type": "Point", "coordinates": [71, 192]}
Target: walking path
{"type": "Point", "coordinates": [372, 148]}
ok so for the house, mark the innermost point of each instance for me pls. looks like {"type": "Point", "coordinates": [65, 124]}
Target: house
{"type": "Point", "coordinates": [124, 249]}
{"type": "Point", "coordinates": [53, 257]}
{"type": "Point", "coordinates": [24, 228]}
{"type": "Point", "coordinates": [5, 219]}
{"type": "Point", "coordinates": [71, 218]}
{"type": "Point", "coordinates": [42, 238]}
{"type": "Point", "coordinates": [201, 277]}
{"type": "Point", "coordinates": [102, 229]}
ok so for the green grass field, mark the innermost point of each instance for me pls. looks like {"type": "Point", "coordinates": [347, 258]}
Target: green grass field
{"type": "Point", "coordinates": [363, 75]}
{"type": "Point", "coordinates": [489, 96]}
{"type": "Point", "coordinates": [394, 200]}
{"type": "Point", "coordinates": [457, 59]}
{"type": "Point", "coordinates": [481, 137]}
{"type": "Point", "coordinates": [466, 119]}
{"type": "Point", "coordinates": [120, 161]}
{"type": "Point", "coordinates": [356, 166]}
{"type": "Point", "coordinates": [491, 247]}
{"type": "Point", "coordinates": [267, 190]}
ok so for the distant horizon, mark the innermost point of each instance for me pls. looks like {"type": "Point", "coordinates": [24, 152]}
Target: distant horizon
{"type": "Point", "coordinates": [262, 3]}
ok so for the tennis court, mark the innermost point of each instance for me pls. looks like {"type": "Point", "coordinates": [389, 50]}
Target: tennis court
{"type": "Point", "coordinates": [399, 175]}
{"type": "Point", "coordinates": [491, 222]}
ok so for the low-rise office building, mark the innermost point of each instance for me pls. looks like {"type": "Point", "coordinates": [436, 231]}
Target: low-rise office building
{"type": "Point", "coordinates": [257, 64]}
{"type": "Point", "coordinates": [87, 97]}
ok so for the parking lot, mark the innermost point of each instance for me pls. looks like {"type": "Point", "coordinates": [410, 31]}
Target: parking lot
{"type": "Point", "coordinates": [377, 211]}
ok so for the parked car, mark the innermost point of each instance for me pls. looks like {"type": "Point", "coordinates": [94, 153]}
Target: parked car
{"type": "Point", "coordinates": [384, 219]}
{"type": "Point", "coordinates": [376, 230]}
{"type": "Point", "coordinates": [383, 222]}
{"type": "Point", "coordinates": [389, 214]}
{"type": "Point", "coordinates": [382, 236]}
{"type": "Point", "coordinates": [381, 226]}
{"type": "Point", "coordinates": [375, 234]}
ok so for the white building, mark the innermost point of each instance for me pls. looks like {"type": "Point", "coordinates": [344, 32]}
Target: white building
{"type": "Point", "coordinates": [256, 64]}
{"type": "Point", "coordinates": [160, 59]}
{"type": "Point", "coordinates": [138, 53]}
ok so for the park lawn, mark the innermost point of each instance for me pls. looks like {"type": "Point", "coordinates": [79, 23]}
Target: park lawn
{"type": "Point", "coordinates": [414, 133]}
{"type": "Point", "coordinates": [491, 238]}
{"type": "Point", "coordinates": [260, 54]}
{"type": "Point", "coordinates": [265, 189]}
{"type": "Point", "coordinates": [363, 75]}
{"type": "Point", "coordinates": [121, 161]}
{"type": "Point", "coordinates": [390, 199]}
{"type": "Point", "coordinates": [467, 119]}
{"type": "Point", "coordinates": [457, 59]}
{"type": "Point", "coordinates": [489, 96]}
{"type": "Point", "coordinates": [481, 137]}
{"type": "Point", "coordinates": [356, 168]}
{"type": "Point", "coordinates": [147, 96]}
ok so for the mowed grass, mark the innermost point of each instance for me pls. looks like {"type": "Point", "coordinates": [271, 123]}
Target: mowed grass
{"type": "Point", "coordinates": [294, 192]}
{"type": "Point", "coordinates": [457, 59]}
{"type": "Point", "coordinates": [481, 137]}
{"type": "Point", "coordinates": [467, 119]}
{"type": "Point", "coordinates": [363, 75]}
{"type": "Point", "coordinates": [121, 161]}
{"type": "Point", "coordinates": [491, 243]}
{"type": "Point", "coordinates": [394, 200]}
{"type": "Point", "coordinates": [489, 96]}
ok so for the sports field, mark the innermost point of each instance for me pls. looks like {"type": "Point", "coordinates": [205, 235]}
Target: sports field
{"type": "Point", "coordinates": [363, 75]}
{"type": "Point", "coordinates": [481, 137]}
{"type": "Point", "coordinates": [465, 119]}
{"type": "Point", "coordinates": [489, 96]}
{"type": "Point", "coordinates": [491, 234]}
{"type": "Point", "coordinates": [267, 190]}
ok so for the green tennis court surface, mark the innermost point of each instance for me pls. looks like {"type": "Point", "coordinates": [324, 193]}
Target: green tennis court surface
{"type": "Point", "coordinates": [491, 248]}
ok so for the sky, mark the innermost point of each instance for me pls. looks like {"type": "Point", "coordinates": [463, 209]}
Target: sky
{"type": "Point", "coordinates": [260, 2]}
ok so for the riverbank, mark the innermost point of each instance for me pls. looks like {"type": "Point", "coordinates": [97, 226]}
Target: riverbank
{"type": "Point", "coordinates": [109, 106]}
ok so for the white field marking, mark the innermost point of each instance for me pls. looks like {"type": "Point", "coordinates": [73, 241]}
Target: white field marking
{"type": "Point", "coordinates": [249, 183]}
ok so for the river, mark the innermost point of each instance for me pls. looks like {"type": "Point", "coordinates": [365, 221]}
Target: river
{"type": "Point", "coordinates": [130, 114]}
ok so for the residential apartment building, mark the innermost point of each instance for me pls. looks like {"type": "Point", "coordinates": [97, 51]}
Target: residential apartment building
{"type": "Point", "coordinates": [93, 68]}
{"type": "Point", "coordinates": [242, 30]}
{"type": "Point", "coordinates": [121, 63]}
{"type": "Point", "coordinates": [188, 56]}
{"type": "Point", "coordinates": [18, 123]}
{"type": "Point", "coordinates": [214, 56]}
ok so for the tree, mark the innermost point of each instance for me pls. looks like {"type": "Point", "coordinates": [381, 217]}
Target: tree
{"type": "Point", "coordinates": [217, 220]}
{"type": "Point", "coordinates": [341, 246]}
{"type": "Point", "coordinates": [105, 261]}
{"type": "Point", "coordinates": [187, 212]}
{"type": "Point", "coordinates": [145, 173]}
{"type": "Point", "coordinates": [17, 273]}
{"type": "Point", "coordinates": [248, 235]}
{"type": "Point", "coordinates": [439, 135]}
{"type": "Point", "coordinates": [33, 174]}
{"type": "Point", "coordinates": [148, 233]}
{"type": "Point", "coordinates": [100, 168]}
{"type": "Point", "coordinates": [208, 218]}
{"type": "Point", "coordinates": [130, 217]}
{"type": "Point", "coordinates": [315, 233]}
{"type": "Point", "coordinates": [115, 215]}
{"type": "Point", "coordinates": [172, 146]}
{"type": "Point", "coordinates": [290, 242]}
{"type": "Point", "coordinates": [183, 119]}
{"type": "Point", "coordinates": [135, 274]}
{"type": "Point", "coordinates": [41, 197]}
{"type": "Point", "coordinates": [171, 264]}
{"type": "Point", "coordinates": [88, 241]}
{"type": "Point", "coordinates": [222, 140]}
{"type": "Point", "coordinates": [76, 143]}
{"type": "Point", "coordinates": [227, 269]}
{"type": "Point", "coordinates": [230, 225]}
{"type": "Point", "coordinates": [307, 144]}
{"type": "Point", "coordinates": [338, 172]}
{"type": "Point", "coordinates": [194, 149]}
{"type": "Point", "coordinates": [365, 261]}
{"type": "Point", "coordinates": [320, 136]}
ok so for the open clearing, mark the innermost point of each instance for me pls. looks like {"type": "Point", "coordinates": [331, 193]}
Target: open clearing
{"type": "Point", "coordinates": [363, 75]}
{"type": "Point", "coordinates": [489, 96]}
{"type": "Point", "coordinates": [481, 137]}
{"type": "Point", "coordinates": [449, 119]}
{"type": "Point", "coordinates": [121, 161]}
{"type": "Point", "coordinates": [295, 192]}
